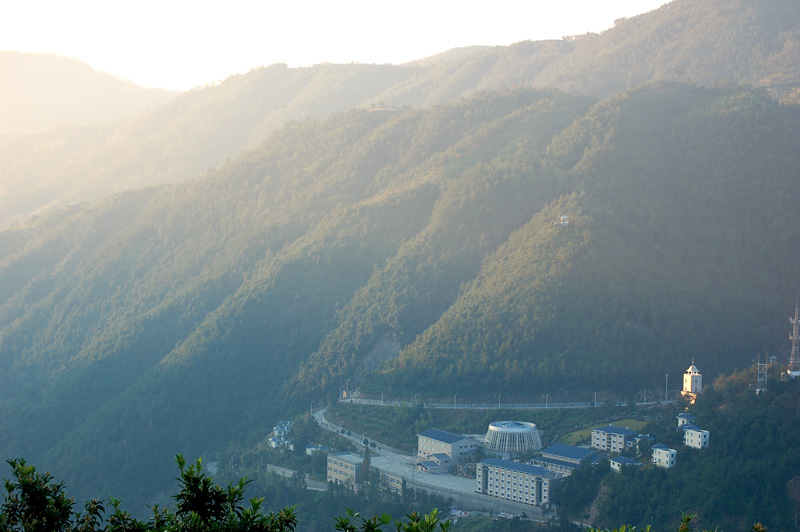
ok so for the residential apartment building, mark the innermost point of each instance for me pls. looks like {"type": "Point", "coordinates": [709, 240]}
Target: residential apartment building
{"type": "Point", "coordinates": [517, 482]}
{"type": "Point", "coordinates": [694, 436]}
{"type": "Point", "coordinates": [663, 456]}
{"type": "Point", "coordinates": [613, 439]}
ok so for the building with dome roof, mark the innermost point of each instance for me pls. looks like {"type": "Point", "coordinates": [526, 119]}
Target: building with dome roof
{"type": "Point", "coordinates": [512, 438]}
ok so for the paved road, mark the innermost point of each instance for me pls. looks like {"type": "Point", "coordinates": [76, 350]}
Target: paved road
{"type": "Point", "coordinates": [396, 462]}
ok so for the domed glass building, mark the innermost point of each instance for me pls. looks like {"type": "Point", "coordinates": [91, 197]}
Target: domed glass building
{"type": "Point", "coordinates": [512, 437]}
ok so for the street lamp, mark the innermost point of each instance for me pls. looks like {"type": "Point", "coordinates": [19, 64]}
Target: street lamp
{"type": "Point", "coordinates": [545, 399]}
{"type": "Point", "coordinates": [348, 387]}
{"type": "Point", "coordinates": [340, 391]}
{"type": "Point", "coordinates": [499, 395]}
{"type": "Point", "coordinates": [312, 408]}
{"type": "Point", "coordinates": [383, 392]}
{"type": "Point", "coordinates": [454, 400]}
{"type": "Point", "coordinates": [415, 398]}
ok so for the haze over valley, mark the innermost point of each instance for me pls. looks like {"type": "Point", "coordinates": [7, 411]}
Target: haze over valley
{"type": "Point", "coordinates": [180, 271]}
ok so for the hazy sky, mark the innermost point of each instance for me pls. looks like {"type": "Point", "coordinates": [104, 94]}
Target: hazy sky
{"type": "Point", "coordinates": [180, 44]}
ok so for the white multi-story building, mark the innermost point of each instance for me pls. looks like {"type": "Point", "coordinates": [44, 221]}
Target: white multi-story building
{"type": "Point", "coordinates": [517, 482]}
{"type": "Point", "coordinates": [663, 456]}
{"type": "Point", "coordinates": [694, 436]}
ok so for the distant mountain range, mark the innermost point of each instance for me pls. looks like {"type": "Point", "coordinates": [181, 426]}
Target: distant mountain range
{"type": "Point", "coordinates": [709, 43]}
{"type": "Point", "coordinates": [42, 91]}
{"type": "Point", "coordinates": [407, 249]}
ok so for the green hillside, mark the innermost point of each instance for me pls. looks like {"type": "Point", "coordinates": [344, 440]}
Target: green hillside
{"type": "Point", "coordinates": [712, 43]}
{"type": "Point", "coordinates": [405, 250]}
{"type": "Point", "coordinates": [748, 474]}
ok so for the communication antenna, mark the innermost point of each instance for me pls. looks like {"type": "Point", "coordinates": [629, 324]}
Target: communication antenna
{"type": "Point", "coordinates": [761, 387]}
{"type": "Point", "coordinates": [794, 359]}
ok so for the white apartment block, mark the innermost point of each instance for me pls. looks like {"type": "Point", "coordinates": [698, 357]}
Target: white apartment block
{"type": "Point", "coordinates": [663, 456]}
{"type": "Point", "coordinates": [694, 436]}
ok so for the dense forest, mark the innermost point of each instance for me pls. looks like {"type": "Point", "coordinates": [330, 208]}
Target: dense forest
{"type": "Point", "coordinates": [704, 42]}
{"type": "Point", "coordinates": [398, 230]}
{"type": "Point", "coordinates": [408, 251]}
{"type": "Point", "coordinates": [748, 474]}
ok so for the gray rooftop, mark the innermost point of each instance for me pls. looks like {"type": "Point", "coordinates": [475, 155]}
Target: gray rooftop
{"type": "Point", "coordinates": [611, 429]}
{"type": "Point", "coordinates": [442, 436]}
{"type": "Point", "coordinates": [516, 466]}
{"type": "Point", "coordinates": [568, 451]}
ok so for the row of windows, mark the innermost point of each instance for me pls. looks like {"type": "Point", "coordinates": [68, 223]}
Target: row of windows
{"type": "Point", "coordinates": [341, 464]}
{"type": "Point", "coordinates": [513, 497]}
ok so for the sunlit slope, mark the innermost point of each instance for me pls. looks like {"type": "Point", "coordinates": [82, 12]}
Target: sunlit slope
{"type": "Point", "coordinates": [711, 43]}
{"type": "Point", "coordinates": [172, 318]}
{"type": "Point", "coordinates": [678, 246]}
{"type": "Point", "coordinates": [407, 251]}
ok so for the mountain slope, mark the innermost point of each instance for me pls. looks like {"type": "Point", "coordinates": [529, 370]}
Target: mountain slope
{"type": "Point", "coordinates": [408, 251]}
{"type": "Point", "coordinates": [719, 42]}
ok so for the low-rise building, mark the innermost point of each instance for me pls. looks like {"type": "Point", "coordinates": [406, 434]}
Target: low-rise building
{"type": "Point", "coordinates": [694, 436]}
{"type": "Point", "coordinates": [344, 467]}
{"type": "Point", "coordinates": [618, 462]}
{"type": "Point", "coordinates": [517, 482]}
{"type": "Point", "coordinates": [684, 418]}
{"type": "Point", "coordinates": [435, 441]}
{"type": "Point", "coordinates": [663, 456]}
{"type": "Point", "coordinates": [563, 459]}
{"type": "Point", "coordinates": [282, 429]}
{"type": "Point", "coordinates": [613, 439]}
{"type": "Point", "coordinates": [391, 481]}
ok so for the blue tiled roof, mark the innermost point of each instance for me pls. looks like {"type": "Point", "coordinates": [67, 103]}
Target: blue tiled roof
{"type": "Point", "coordinates": [660, 446]}
{"type": "Point", "coordinates": [516, 466]}
{"type": "Point", "coordinates": [441, 435]}
{"type": "Point", "coordinates": [624, 460]}
{"type": "Point", "coordinates": [567, 451]}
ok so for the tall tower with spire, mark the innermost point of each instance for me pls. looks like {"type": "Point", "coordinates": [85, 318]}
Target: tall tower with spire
{"type": "Point", "coordinates": [692, 383]}
{"type": "Point", "coordinates": [794, 359]}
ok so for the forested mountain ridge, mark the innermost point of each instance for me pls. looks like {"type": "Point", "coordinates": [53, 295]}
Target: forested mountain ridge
{"type": "Point", "coordinates": [408, 251]}
{"type": "Point", "coordinates": [719, 42]}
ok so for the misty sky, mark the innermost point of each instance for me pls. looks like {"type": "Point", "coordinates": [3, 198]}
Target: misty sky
{"type": "Point", "coordinates": [179, 44]}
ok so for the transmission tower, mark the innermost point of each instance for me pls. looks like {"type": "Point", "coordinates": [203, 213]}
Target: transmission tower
{"type": "Point", "coordinates": [794, 359]}
{"type": "Point", "coordinates": [761, 387]}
